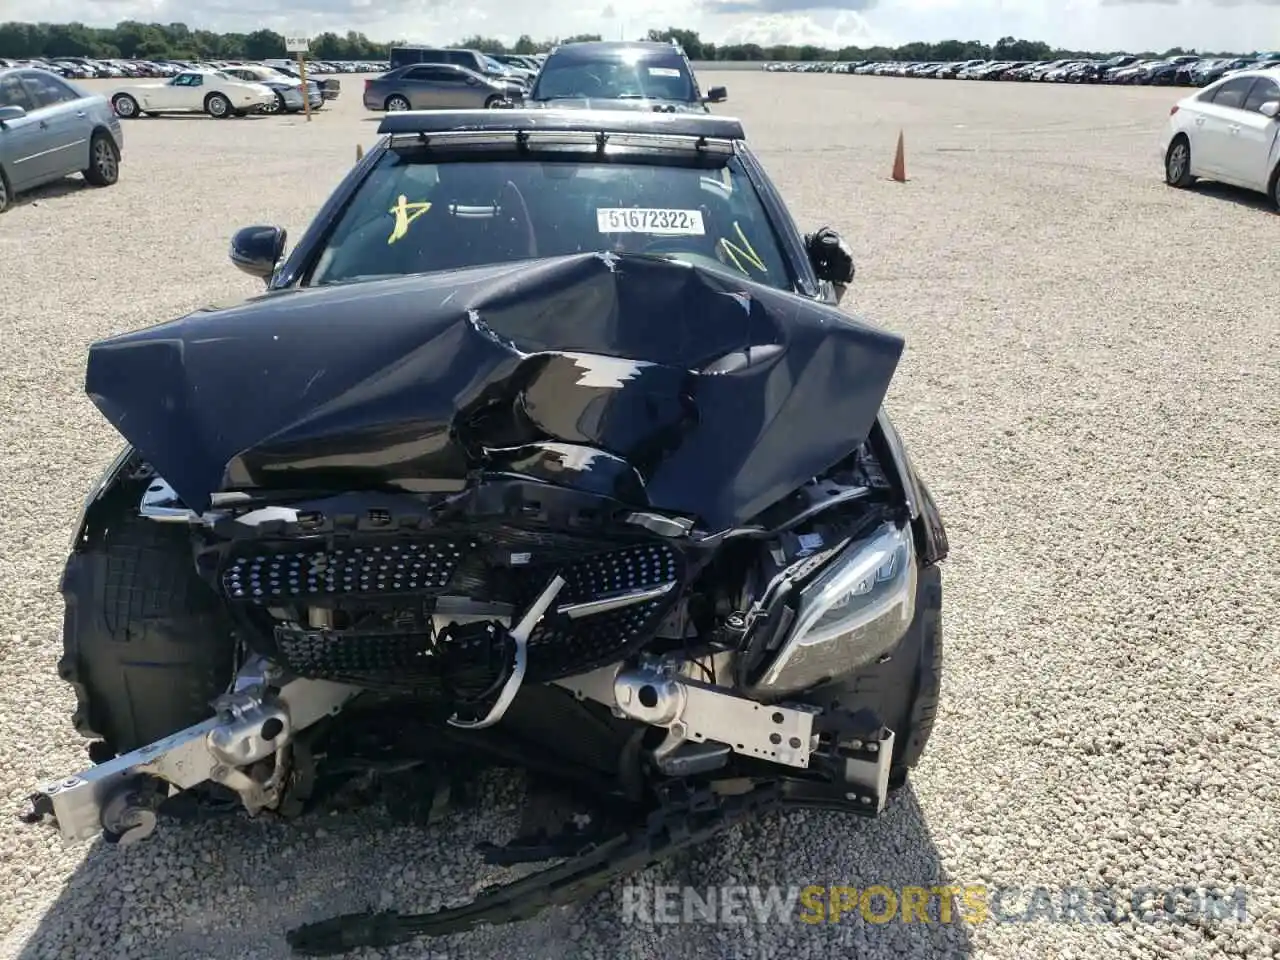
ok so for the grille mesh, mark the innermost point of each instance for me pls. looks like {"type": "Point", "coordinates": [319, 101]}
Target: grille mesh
{"type": "Point", "coordinates": [373, 571]}
{"type": "Point", "coordinates": [382, 654]}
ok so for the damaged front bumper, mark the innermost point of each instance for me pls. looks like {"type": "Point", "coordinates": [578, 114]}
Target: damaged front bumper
{"type": "Point", "coordinates": [246, 746]}
{"type": "Point", "coordinates": [253, 725]}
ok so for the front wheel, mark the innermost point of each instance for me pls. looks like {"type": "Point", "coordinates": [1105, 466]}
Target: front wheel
{"type": "Point", "coordinates": [104, 161]}
{"type": "Point", "coordinates": [396, 104]}
{"type": "Point", "coordinates": [125, 106]}
{"type": "Point", "coordinates": [1275, 188]}
{"type": "Point", "coordinates": [495, 103]}
{"type": "Point", "coordinates": [217, 106]}
{"type": "Point", "coordinates": [1177, 163]}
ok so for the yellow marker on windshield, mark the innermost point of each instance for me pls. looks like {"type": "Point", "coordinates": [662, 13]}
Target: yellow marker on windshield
{"type": "Point", "coordinates": [405, 213]}
{"type": "Point", "coordinates": [746, 251]}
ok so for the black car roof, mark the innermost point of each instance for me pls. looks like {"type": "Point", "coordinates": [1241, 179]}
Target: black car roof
{"type": "Point", "coordinates": [598, 50]}
{"type": "Point", "coordinates": [711, 126]}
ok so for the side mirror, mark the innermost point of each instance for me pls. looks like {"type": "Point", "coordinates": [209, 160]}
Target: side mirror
{"type": "Point", "coordinates": [1270, 109]}
{"type": "Point", "coordinates": [831, 257]}
{"type": "Point", "coordinates": [8, 114]}
{"type": "Point", "coordinates": [257, 250]}
{"type": "Point", "coordinates": [717, 95]}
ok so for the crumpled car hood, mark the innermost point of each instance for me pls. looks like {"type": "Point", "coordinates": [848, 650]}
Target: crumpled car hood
{"type": "Point", "coordinates": [681, 388]}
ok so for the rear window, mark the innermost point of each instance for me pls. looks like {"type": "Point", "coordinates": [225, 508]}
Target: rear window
{"type": "Point", "coordinates": [658, 77]}
{"type": "Point", "coordinates": [411, 216]}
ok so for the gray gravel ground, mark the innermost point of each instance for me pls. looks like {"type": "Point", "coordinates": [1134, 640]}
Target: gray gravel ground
{"type": "Point", "coordinates": [1090, 386]}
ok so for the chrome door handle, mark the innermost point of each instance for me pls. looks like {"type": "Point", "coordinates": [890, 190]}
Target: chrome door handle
{"type": "Point", "coordinates": [80, 113]}
{"type": "Point", "coordinates": [44, 125]}
{"type": "Point", "coordinates": [1199, 121]}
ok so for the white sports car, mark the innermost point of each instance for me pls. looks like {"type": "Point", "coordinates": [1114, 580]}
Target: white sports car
{"type": "Point", "coordinates": [193, 91]}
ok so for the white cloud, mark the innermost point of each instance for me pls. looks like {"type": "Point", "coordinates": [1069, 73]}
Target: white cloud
{"type": "Point", "coordinates": [1085, 24]}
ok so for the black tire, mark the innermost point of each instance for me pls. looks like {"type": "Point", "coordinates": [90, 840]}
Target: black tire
{"type": "Point", "coordinates": [280, 106]}
{"type": "Point", "coordinates": [1177, 163]}
{"type": "Point", "coordinates": [395, 103]}
{"type": "Point", "coordinates": [494, 102]}
{"type": "Point", "coordinates": [217, 106]}
{"type": "Point", "coordinates": [1274, 191]}
{"type": "Point", "coordinates": [147, 644]}
{"type": "Point", "coordinates": [125, 106]}
{"type": "Point", "coordinates": [6, 195]}
{"type": "Point", "coordinates": [104, 161]}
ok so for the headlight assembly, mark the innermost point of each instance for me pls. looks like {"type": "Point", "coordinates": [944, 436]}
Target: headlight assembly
{"type": "Point", "coordinates": [851, 614]}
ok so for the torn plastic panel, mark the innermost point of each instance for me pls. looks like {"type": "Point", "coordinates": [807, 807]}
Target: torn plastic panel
{"type": "Point", "coordinates": [678, 387]}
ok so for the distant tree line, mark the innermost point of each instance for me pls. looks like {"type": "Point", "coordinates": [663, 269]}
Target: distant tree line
{"type": "Point", "coordinates": [155, 41]}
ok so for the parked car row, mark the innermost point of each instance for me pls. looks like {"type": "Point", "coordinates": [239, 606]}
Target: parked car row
{"type": "Point", "coordinates": [84, 68]}
{"type": "Point", "coordinates": [609, 74]}
{"type": "Point", "coordinates": [1188, 70]}
{"type": "Point", "coordinates": [230, 92]}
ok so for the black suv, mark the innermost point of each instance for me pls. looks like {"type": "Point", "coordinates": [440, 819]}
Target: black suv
{"type": "Point", "coordinates": [617, 75]}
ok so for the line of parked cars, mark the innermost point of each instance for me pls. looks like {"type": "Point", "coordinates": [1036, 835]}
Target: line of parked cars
{"type": "Point", "coordinates": [84, 68]}
{"type": "Point", "coordinates": [1186, 70]}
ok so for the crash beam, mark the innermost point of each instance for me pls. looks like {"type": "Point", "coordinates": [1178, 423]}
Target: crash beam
{"type": "Point", "coordinates": [248, 728]}
{"type": "Point", "coordinates": [694, 712]}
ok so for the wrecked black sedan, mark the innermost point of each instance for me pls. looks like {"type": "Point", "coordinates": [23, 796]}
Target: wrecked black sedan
{"type": "Point", "coordinates": [547, 447]}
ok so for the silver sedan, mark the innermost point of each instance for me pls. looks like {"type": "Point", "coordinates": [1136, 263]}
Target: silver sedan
{"type": "Point", "coordinates": [438, 86]}
{"type": "Point", "coordinates": [50, 128]}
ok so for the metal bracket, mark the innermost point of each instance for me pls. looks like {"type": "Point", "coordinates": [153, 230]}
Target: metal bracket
{"type": "Point", "coordinates": [697, 712]}
{"type": "Point", "coordinates": [866, 769]}
{"type": "Point", "coordinates": [247, 729]}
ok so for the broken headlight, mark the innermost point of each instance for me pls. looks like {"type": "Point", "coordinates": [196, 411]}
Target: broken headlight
{"type": "Point", "coordinates": [851, 614]}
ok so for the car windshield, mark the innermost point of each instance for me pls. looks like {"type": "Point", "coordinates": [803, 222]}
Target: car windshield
{"type": "Point", "coordinates": [416, 216]}
{"type": "Point", "coordinates": [656, 78]}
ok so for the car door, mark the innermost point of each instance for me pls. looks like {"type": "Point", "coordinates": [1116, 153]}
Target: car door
{"type": "Point", "coordinates": [177, 94]}
{"type": "Point", "coordinates": [449, 88]}
{"type": "Point", "coordinates": [60, 108]}
{"type": "Point", "coordinates": [1217, 111]}
{"type": "Point", "coordinates": [26, 146]}
{"type": "Point", "coordinates": [1253, 146]}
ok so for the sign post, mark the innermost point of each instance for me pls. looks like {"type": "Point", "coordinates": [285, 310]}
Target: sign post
{"type": "Point", "coordinates": [300, 46]}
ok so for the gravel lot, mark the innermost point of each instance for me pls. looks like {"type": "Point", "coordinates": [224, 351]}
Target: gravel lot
{"type": "Point", "coordinates": [1089, 386]}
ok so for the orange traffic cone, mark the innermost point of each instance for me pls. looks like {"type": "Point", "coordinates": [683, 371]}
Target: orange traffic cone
{"type": "Point", "coordinates": [359, 153]}
{"type": "Point", "coordinates": [900, 162]}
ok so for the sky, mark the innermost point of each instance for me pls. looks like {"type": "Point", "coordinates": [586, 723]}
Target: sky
{"type": "Point", "coordinates": [1071, 24]}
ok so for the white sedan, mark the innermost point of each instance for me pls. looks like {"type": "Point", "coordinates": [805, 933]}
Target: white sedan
{"type": "Point", "coordinates": [193, 91]}
{"type": "Point", "coordinates": [1229, 132]}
